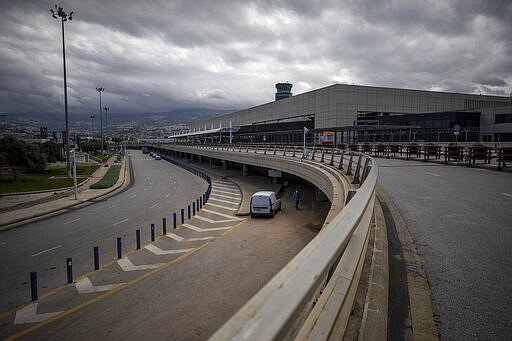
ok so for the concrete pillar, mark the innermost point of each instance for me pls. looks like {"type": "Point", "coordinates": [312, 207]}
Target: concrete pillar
{"type": "Point", "coordinates": [245, 170]}
{"type": "Point", "coordinates": [211, 162]}
{"type": "Point", "coordinates": [200, 158]}
{"type": "Point", "coordinates": [224, 164]}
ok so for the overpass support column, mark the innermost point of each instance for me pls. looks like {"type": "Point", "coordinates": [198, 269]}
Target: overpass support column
{"type": "Point", "coordinates": [211, 162]}
{"type": "Point", "coordinates": [225, 164]}
{"type": "Point", "coordinates": [200, 158]}
{"type": "Point", "coordinates": [245, 170]}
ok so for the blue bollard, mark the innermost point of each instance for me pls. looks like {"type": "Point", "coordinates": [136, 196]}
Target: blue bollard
{"type": "Point", "coordinates": [96, 258]}
{"type": "Point", "coordinates": [119, 251]}
{"type": "Point", "coordinates": [188, 211]}
{"type": "Point", "coordinates": [182, 216]}
{"type": "Point", "coordinates": [197, 204]}
{"type": "Point", "coordinates": [69, 267]}
{"type": "Point", "coordinates": [152, 232]}
{"type": "Point", "coordinates": [164, 226]}
{"type": "Point", "coordinates": [33, 285]}
{"type": "Point", "coordinates": [200, 202]}
{"type": "Point", "coordinates": [174, 220]}
{"type": "Point", "coordinates": [193, 208]}
{"type": "Point", "coordinates": [137, 239]}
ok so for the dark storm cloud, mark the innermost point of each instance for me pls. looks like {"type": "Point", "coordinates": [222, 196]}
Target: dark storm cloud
{"type": "Point", "coordinates": [162, 55]}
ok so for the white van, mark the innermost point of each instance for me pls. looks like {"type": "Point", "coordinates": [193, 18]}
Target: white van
{"type": "Point", "coordinates": [265, 203]}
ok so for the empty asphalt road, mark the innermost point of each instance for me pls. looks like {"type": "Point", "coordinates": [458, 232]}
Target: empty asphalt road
{"type": "Point", "coordinates": [461, 221]}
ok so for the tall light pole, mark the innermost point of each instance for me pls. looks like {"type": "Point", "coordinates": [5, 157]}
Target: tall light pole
{"type": "Point", "coordinates": [100, 90]}
{"type": "Point", "coordinates": [64, 17]}
{"type": "Point", "coordinates": [92, 125]}
{"type": "Point", "coordinates": [106, 119]}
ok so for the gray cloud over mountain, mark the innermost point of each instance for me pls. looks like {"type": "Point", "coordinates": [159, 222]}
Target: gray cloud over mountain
{"type": "Point", "coordinates": [155, 56]}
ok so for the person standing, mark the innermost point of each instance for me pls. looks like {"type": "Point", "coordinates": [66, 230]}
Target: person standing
{"type": "Point", "coordinates": [296, 198]}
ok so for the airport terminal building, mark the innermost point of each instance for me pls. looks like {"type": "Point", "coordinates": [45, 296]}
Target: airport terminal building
{"type": "Point", "coordinates": [354, 114]}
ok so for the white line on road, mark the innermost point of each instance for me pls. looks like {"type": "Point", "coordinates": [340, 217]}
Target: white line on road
{"type": "Point", "coordinates": [224, 207]}
{"type": "Point", "coordinates": [71, 221]}
{"type": "Point", "coordinates": [154, 205]}
{"type": "Point", "coordinates": [507, 195]}
{"type": "Point", "coordinates": [85, 286]}
{"type": "Point", "coordinates": [225, 192]}
{"type": "Point", "coordinates": [120, 222]}
{"type": "Point", "coordinates": [127, 265]}
{"type": "Point", "coordinates": [213, 221]}
{"type": "Point", "coordinates": [168, 195]}
{"type": "Point", "coordinates": [133, 196]}
{"type": "Point", "coordinates": [48, 250]}
{"type": "Point", "coordinates": [158, 251]}
{"type": "Point", "coordinates": [112, 206]}
{"type": "Point", "coordinates": [222, 215]}
{"type": "Point", "coordinates": [224, 196]}
{"type": "Point", "coordinates": [198, 229]}
{"type": "Point", "coordinates": [226, 201]}
{"type": "Point", "coordinates": [433, 174]}
{"type": "Point", "coordinates": [229, 188]}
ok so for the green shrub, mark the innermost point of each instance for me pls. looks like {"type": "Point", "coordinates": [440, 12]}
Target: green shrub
{"type": "Point", "coordinates": [109, 179]}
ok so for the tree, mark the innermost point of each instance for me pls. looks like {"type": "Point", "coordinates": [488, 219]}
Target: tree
{"type": "Point", "coordinates": [52, 151]}
{"type": "Point", "coordinates": [12, 156]}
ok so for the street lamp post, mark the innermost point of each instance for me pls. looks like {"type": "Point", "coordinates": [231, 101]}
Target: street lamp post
{"type": "Point", "coordinates": [64, 17]}
{"type": "Point", "coordinates": [106, 119]}
{"type": "Point", "coordinates": [92, 125]}
{"type": "Point", "coordinates": [100, 90]}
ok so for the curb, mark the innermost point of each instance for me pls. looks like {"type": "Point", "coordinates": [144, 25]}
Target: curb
{"type": "Point", "coordinates": [374, 323]}
{"type": "Point", "coordinates": [421, 313]}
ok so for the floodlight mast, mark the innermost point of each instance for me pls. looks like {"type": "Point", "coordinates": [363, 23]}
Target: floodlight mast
{"type": "Point", "coordinates": [100, 90]}
{"type": "Point", "coordinates": [64, 17]}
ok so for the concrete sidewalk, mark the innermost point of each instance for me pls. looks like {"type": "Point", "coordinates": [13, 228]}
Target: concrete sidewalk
{"type": "Point", "coordinates": [23, 208]}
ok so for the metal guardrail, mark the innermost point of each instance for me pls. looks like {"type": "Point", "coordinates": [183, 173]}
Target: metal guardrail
{"type": "Point", "coordinates": [312, 296]}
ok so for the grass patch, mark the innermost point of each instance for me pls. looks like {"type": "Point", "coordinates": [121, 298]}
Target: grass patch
{"type": "Point", "coordinates": [41, 181]}
{"type": "Point", "coordinates": [109, 179]}
{"type": "Point", "coordinates": [103, 157]}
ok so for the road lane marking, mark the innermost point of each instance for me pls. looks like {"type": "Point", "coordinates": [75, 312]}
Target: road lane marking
{"type": "Point", "coordinates": [85, 286]}
{"type": "Point", "coordinates": [127, 265]}
{"type": "Point", "coordinates": [223, 207]}
{"type": "Point", "coordinates": [154, 205]}
{"type": "Point", "coordinates": [213, 221]}
{"type": "Point", "coordinates": [133, 196]}
{"type": "Point", "coordinates": [198, 229]}
{"type": "Point", "coordinates": [227, 188]}
{"type": "Point", "coordinates": [507, 195]}
{"type": "Point", "coordinates": [120, 222]}
{"type": "Point", "coordinates": [112, 206]}
{"type": "Point", "coordinates": [168, 195]}
{"type": "Point", "coordinates": [222, 215]}
{"type": "Point", "coordinates": [213, 194]}
{"type": "Point", "coordinates": [225, 192]}
{"type": "Point", "coordinates": [226, 201]}
{"type": "Point", "coordinates": [433, 174]}
{"type": "Point", "coordinates": [158, 251]}
{"type": "Point", "coordinates": [29, 315]}
{"type": "Point", "coordinates": [71, 221]}
{"type": "Point", "coordinates": [47, 250]}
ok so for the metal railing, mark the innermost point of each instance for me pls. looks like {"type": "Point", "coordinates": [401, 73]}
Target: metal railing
{"type": "Point", "coordinates": [313, 295]}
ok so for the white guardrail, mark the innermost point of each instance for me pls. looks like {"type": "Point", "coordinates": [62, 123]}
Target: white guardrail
{"type": "Point", "coordinates": [311, 298]}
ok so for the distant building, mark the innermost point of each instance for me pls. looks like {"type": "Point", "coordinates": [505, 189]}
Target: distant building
{"type": "Point", "coordinates": [356, 113]}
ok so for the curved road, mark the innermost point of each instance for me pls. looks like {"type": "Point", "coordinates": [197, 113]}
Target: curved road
{"type": "Point", "coordinates": [461, 221]}
{"type": "Point", "coordinates": [43, 246]}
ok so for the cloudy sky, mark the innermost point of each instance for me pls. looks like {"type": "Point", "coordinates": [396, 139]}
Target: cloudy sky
{"type": "Point", "coordinates": [154, 56]}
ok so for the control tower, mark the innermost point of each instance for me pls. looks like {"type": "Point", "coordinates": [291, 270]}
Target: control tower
{"type": "Point", "coordinates": [283, 90]}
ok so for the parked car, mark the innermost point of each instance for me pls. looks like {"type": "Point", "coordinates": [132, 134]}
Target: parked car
{"type": "Point", "coordinates": [265, 203]}
{"type": "Point", "coordinates": [157, 157]}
